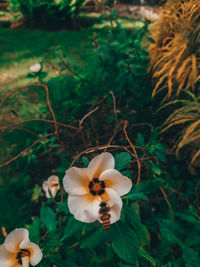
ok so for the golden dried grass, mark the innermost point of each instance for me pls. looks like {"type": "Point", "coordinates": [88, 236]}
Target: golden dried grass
{"type": "Point", "coordinates": [189, 116]}
{"type": "Point", "coordinates": [175, 53]}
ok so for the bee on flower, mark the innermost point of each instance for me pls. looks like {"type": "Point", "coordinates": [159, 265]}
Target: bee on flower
{"type": "Point", "coordinates": [99, 183]}
{"type": "Point", "coordinates": [18, 251]}
{"type": "Point", "coordinates": [51, 186]}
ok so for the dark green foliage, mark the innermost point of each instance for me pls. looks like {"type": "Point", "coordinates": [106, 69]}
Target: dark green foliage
{"type": "Point", "coordinates": [73, 226]}
{"type": "Point", "coordinates": [34, 230]}
{"type": "Point", "coordinates": [159, 224]}
{"type": "Point", "coordinates": [48, 218]}
{"type": "Point", "coordinates": [122, 160]}
{"type": "Point", "coordinates": [125, 242]}
{"type": "Point", "coordinates": [95, 239]}
{"type": "Point", "coordinates": [43, 12]}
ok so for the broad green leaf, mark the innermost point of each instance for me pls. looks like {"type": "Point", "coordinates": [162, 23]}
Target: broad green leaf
{"type": "Point", "coordinates": [128, 265]}
{"type": "Point", "coordinates": [140, 229]}
{"type": "Point", "coordinates": [34, 230]}
{"type": "Point", "coordinates": [140, 139]}
{"type": "Point", "coordinates": [191, 257]}
{"type": "Point", "coordinates": [168, 233]}
{"type": "Point", "coordinates": [73, 226]}
{"type": "Point", "coordinates": [48, 218]}
{"type": "Point", "coordinates": [52, 241]}
{"type": "Point", "coordinates": [136, 196]}
{"type": "Point", "coordinates": [156, 169]}
{"type": "Point", "coordinates": [122, 160]}
{"type": "Point", "coordinates": [85, 161]}
{"type": "Point", "coordinates": [125, 242]}
{"type": "Point", "coordinates": [143, 254]}
{"type": "Point", "coordinates": [63, 207]}
{"type": "Point", "coordinates": [95, 239]}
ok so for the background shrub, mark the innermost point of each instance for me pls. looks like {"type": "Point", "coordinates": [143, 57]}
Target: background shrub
{"type": "Point", "coordinates": [174, 52]}
{"type": "Point", "coordinates": [47, 13]}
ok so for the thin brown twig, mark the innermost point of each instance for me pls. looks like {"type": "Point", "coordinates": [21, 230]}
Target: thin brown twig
{"type": "Point", "coordinates": [115, 108]}
{"type": "Point", "coordinates": [143, 124]}
{"type": "Point", "coordinates": [47, 99]}
{"type": "Point", "coordinates": [37, 119]}
{"type": "Point", "coordinates": [141, 159]}
{"type": "Point", "coordinates": [25, 150]}
{"type": "Point", "coordinates": [87, 115]}
{"type": "Point", "coordinates": [93, 149]}
{"type": "Point", "coordinates": [134, 150]}
{"type": "Point", "coordinates": [12, 92]}
{"type": "Point", "coordinates": [49, 105]}
{"type": "Point", "coordinates": [166, 199]}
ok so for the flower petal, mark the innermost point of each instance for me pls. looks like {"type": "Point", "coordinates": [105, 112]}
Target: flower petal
{"type": "Point", "coordinates": [36, 253]}
{"type": "Point", "coordinates": [115, 213]}
{"type": "Point", "coordinates": [84, 208]}
{"type": "Point", "coordinates": [76, 181]}
{"type": "Point", "coordinates": [53, 179]}
{"type": "Point", "coordinates": [14, 239]}
{"type": "Point", "coordinates": [25, 261]}
{"type": "Point", "coordinates": [115, 180]}
{"type": "Point", "coordinates": [101, 163]}
{"type": "Point", "coordinates": [54, 185]}
{"type": "Point", "coordinates": [45, 187]}
{"type": "Point", "coordinates": [53, 190]}
{"type": "Point", "coordinates": [7, 259]}
{"type": "Point", "coordinates": [115, 204]}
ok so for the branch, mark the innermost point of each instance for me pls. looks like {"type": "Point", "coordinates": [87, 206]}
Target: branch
{"type": "Point", "coordinates": [26, 149]}
{"type": "Point", "coordinates": [135, 152]}
{"type": "Point", "coordinates": [87, 115]}
{"type": "Point", "coordinates": [36, 119]}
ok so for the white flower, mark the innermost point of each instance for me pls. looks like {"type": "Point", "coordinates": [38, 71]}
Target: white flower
{"type": "Point", "coordinates": [52, 185]}
{"type": "Point", "coordinates": [149, 14]}
{"type": "Point", "coordinates": [36, 67]}
{"type": "Point", "coordinates": [18, 251]}
{"type": "Point", "coordinates": [89, 187]}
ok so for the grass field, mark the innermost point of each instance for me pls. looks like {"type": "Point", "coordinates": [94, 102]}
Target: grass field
{"type": "Point", "coordinates": [20, 48]}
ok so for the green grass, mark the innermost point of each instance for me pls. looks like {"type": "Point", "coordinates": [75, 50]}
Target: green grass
{"type": "Point", "coordinates": [21, 48]}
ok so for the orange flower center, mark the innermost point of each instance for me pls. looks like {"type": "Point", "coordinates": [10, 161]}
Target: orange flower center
{"type": "Point", "coordinates": [96, 187]}
{"type": "Point", "coordinates": [54, 185]}
{"type": "Point", "coordinates": [22, 253]}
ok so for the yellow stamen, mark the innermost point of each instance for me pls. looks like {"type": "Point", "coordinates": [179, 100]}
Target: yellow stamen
{"type": "Point", "coordinates": [4, 233]}
{"type": "Point", "coordinates": [97, 187]}
{"type": "Point", "coordinates": [104, 197]}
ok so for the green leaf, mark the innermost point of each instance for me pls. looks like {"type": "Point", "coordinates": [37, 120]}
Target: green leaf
{"type": "Point", "coordinates": [127, 265]}
{"type": "Point", "coordinates": [169, 232]}
{"type": "Point", "coordinates": [156, 169]}
{"type": "Point", "coordinates": [191, 257]}
{"type": "Point", "coordinates": [52, 241]}
{"type": "Point", "coordinates": [95, 239]}
{"type": "Point", "coordinates": [43, 75]}
{"type": "Point", "coordinates": [125, 242]}
{"type": "Point", "coordinates": [122, 160]}
{"type": "Point", "coordinates": [136, 196]}
{"type": "Point", "coordinates": [73, 226]}
{"type": "Point", "coordinates": [85, 161]}
{"type": "Point", "coordinates": [48, 218]}
{"type": "Point", "coordinates": [135, 222]}
{"type": "Point", "coordinates": [143, 254]}
{"type": "Point", "coordinates": [34, 230]}
{"type": "Point", "coordinates": [31, 75]}
{"type": "Point", "coordinates": [140, 139]}
{"type": "Point", "coordinates": [63, 207]}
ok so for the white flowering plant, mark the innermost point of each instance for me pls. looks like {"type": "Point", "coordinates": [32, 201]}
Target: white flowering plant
{"type": "Point", "coordinates": [90, 178]}
{"type": "Point", "coordinates": [36, 72]}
